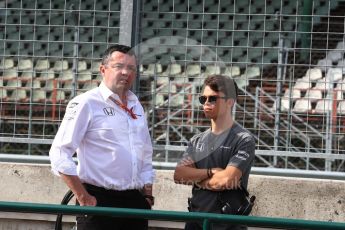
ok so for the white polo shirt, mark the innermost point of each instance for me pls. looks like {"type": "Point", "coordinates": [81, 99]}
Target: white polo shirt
{"type": "Point", "coordinates": [114, 151]}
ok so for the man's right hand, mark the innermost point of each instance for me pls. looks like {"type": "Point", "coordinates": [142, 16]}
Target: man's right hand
{"type": "Point", "coordinates": [83, 197]}
{"type": "Point", "coordinates": [86, 200]}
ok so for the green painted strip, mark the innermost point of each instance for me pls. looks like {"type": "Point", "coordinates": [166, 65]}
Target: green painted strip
{"type": "Point", "coordinates": [170, 215]}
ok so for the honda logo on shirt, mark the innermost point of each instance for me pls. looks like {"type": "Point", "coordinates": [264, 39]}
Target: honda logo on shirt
{"type": "Point", "coordinates": [109, 111]}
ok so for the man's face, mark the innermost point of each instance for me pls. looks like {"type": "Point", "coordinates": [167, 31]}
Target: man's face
{"type": "Point", "coordinates": [218, 107]}
{"type": "Point", "coordinates": [120, 71]}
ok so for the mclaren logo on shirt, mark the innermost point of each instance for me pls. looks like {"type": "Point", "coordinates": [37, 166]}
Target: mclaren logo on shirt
{"type": "Point", "coordinates": [109, 111]}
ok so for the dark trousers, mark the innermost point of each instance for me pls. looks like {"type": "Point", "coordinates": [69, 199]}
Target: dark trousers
{"type": "Point", "coordinates": [118, 199]}
{"type": "Point", "coordinates": [198, 226]}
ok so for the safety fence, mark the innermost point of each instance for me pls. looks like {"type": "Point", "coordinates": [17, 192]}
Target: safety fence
{"type": "Point", "coordinates": [287, 58]}
{"type": "Point", "coordinates": [205, 218]}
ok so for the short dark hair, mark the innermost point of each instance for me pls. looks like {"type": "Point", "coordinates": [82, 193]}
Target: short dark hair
{"type": "Point", "coordinates": [222, 83]}
{"type": "Point", "coordinates": [111, 49]}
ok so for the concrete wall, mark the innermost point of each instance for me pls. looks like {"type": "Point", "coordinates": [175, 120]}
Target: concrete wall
{"type": "Point", "coordinates": [311, 199]}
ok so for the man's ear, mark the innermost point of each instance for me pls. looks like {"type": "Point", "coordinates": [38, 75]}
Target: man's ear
{"type": "Point", "coordinates": [102, 69]}
{"type": "Point", "coordinates": [231, 102]}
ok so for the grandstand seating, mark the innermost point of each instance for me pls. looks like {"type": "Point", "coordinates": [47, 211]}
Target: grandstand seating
{"type": "Point", "coordinates": [85, 75]}
{"type": "Point", "coordinates": [24, 64]}
{"type": "Point", "coordinates": [7, 63]}
{"type": "Point", "coordinates": [323, 84]}
{"type": "Point", "coordinates": [323, 106]}
{"type": "Point", "coordinates": [47, 74]}
{"type": "Point", "coordinates": [313, 95]}
{"type": "Point", "coordinates": [42, 64]}
{"type": "Point", "coordinates": [90, 85]}
{"type": "Point", "coordinates": [302, 106]}
{"type": "Point", "coordinates": [232, 71]}
{"type": "Point", "coordinates": [294, 94]}
{"type": "Point", "coordinates": [302, 84]}
{"type": "Point", "coordinates": [341, 107]}
{"type": "Point", "coordinates": [18, 94]}
{"type": "Point", "coordinates": [313, 74]}
{"type": "Point", "coordinates": [9, 73]}
{"type": "Point", "coordinates": [334, 75]}
{"type": "Point", "coordinates": [39, 95]}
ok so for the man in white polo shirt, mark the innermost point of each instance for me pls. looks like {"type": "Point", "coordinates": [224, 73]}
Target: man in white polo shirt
{"type": "Point", "coordinates": [107, 128]}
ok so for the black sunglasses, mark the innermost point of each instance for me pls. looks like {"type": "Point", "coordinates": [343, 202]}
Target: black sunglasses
{"type": "Point", "coordinates": [210, 99]}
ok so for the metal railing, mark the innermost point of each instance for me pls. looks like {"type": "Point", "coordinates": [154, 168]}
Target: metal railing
{"type": "Point", "coordinates": [205, 218]}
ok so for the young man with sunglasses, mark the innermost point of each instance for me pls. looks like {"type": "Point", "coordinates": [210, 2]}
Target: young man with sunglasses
{"type": "Point", "coordinates": [217, 162]}
{"type": "Point", "coordinates": [107, 128]}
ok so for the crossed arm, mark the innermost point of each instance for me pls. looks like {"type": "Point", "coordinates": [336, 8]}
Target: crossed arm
{"type": "Point", "coordinates": [221, 179]}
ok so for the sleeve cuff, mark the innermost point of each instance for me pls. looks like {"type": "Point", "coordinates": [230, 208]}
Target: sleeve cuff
{"type": "Point", "coordinates": [65, 167]}
{"type": "Point", "coordinates": [148, 177]}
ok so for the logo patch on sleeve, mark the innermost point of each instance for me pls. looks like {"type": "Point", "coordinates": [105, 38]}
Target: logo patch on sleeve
{"type": "Point", "coordinates": [242, 155]}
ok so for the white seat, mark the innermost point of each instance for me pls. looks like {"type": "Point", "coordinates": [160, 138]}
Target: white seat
{"type": "Point", "coordinates": [212, 70]}
{"type": "Point", "coordinates": [68, 85]}
{"type": "Point", "coordinates": [313, 74]}
{"type": "Point", "coordinates": [82, 65]}
{"type": "Point", "coordinates": [51, 84]}
{"type": "Point", "coordinates": [340, 85]}
{"type": "Point", "coordinates": [27, 74]}
{"type": "Point", "coordinates": [60, 65]}
{"type": "Point", "coordinates": [85, 75]}
{"type": "Point", "coordinates": [18, 95]}
{"type": "Point", "coordinates": [285, 105]}
{"type": "Point", "coordinates": [323, 106]}
{"type": "Point", "coordinates": [95, 66]}
{"type": "Point", "coordinates": [153, 69]}
{"type": "Point", "coordinates": [340, 46]}
{"type": "Point", "coordinates": [341, 64]}
{"type": "Point", "coordinates": [172, 70]}
{"type": "Point", "coordinates": [66, 75]}
{"type": "Point", "coordinates": [232, 71]}
{"type": "Point", "coordinates": [90, 85]}
{"type": "Point", "coordinates": [302, 84]}
{"type": "Point", "coordinates": [251, 72]}
{"type": "Point", "coordinates": [192, 70]}
{"type": "Point", "coordinates": [141, 68]}
{"type": "Point", "coordinates": [302, 106]}
{"type": "Point", "coordinates": [39, 95]}
{"type": "Point", "coordinates": [48, 74]}
{"type": "Point", "coordinates": [177, 100]}
{"type": "Point", "coordinates": [241, 82]}
{"type": "Point", "coordinates": [341, 107]}
{"type": "Point", "coordinates": [334, 74]}
{"type": "Point", "coordinates": [313, 95]}
{"type": "Point", "coordinates": [7, 63]}
{"type": "Point", "coordinates": [159, 100]}
{"type": "Point", "coordinates": [34, 84]}
{"type": "Point", "coordinates": [14, 83]}
{"type": "Point", "coordinates": [42, 64]}
{"type": "Point", "coordinates": [295, 94]}
{"type": "Point", "coordinates": [25, 64]}
{"type": "Point", "coordinates": [3, 94]}
{"type": "Point", "coordinates": [10, 73]}
{"type": "Point", "coordinates": [60, 96]}
{"type": "Point", "coordinates": [161, 80]}
{"type": "Point", "coordinates": [335, 55]}
{"type": "Point", "coordinates": [323, 84]}
{"type": "Point", "coordinates": [166, 89]}
{"type": "Point", "coordinates": [340, 95]}
{"type": "Point", "coordinates": [324, 64]}
{"type": "Point", "coordinates": [180, 78]}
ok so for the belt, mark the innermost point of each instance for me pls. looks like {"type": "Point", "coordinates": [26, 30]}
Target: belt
{"type": "Point", "coordinates": [104, 190]}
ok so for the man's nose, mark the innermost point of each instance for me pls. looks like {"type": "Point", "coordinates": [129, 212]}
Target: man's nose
{"type": "Point", "coordinates": [124, 70]}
